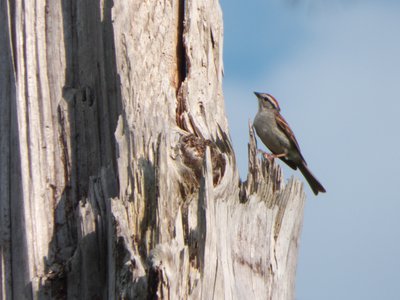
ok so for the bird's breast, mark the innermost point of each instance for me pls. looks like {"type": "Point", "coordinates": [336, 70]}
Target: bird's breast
{"type": "Point", "coordinates": [270, 134]}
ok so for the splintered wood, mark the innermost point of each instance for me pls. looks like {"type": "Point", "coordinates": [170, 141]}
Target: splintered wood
{"type": "Point", "coordinates": [118, 179]}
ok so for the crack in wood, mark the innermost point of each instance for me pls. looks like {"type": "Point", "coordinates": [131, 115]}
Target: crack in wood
{"type": "Point", "coordinates": [181, 60]}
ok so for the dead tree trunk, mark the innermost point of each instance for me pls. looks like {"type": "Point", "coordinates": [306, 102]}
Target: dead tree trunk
{"type": "Point", "coordinates": [117, 175]}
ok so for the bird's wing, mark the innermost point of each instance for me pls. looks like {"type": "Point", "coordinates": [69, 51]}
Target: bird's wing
{"type": "Point", "coordinates": [289, 133]}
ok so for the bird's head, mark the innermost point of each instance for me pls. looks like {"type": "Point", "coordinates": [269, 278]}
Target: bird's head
{"type": "Point", "coordinates": [267, 101]}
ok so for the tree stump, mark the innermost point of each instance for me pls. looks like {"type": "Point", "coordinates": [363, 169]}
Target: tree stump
{"type": "Point", "coordinates": [118, 179]}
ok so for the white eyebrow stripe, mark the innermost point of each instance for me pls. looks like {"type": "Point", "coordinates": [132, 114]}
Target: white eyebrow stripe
{"type": "Point", "coordinates": [273, 101]}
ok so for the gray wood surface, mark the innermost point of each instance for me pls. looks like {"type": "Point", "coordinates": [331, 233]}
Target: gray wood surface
{"type": "Point", "coordinates": [117, 175]}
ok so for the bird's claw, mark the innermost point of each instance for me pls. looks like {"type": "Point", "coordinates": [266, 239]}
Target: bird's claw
{"type": "Point", "coordinates": [267, 156]}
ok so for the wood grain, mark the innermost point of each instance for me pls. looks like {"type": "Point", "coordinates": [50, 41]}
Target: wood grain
{"type": "Point", "coordinates": [118, 179]}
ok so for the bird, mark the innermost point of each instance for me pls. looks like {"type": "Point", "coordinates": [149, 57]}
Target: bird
{"type": "Point", "coordinates": [276, 134]}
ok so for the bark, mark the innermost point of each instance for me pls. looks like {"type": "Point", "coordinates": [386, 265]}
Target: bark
{"type": "Point", "coordinates": [117, 174]}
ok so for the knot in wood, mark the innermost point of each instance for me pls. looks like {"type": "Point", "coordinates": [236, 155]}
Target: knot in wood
{"type": "Point", "coordinates": [193, 150]}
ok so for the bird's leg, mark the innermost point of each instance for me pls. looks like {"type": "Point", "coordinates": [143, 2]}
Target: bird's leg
{"type": "Point", "coordinates": [271, 156]}
{"type": "Point", "coordinates": [266, 155]}
{"type": "Point", "coordinates": [279, 155]}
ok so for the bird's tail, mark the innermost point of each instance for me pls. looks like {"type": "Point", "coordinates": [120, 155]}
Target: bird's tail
{"type": "Point", "coordinates": [315, 185]}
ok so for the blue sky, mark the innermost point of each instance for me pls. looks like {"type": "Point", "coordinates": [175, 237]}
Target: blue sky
{"type": "Point", "coordinates": [334, 66]}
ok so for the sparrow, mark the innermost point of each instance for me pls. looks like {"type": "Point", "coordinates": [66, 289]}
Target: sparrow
{"type": "Point", "coordinates": [277, 135]}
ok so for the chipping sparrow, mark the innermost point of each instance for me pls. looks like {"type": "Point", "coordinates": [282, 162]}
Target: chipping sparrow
{"type": "Point", "coordinates": [276, 134]}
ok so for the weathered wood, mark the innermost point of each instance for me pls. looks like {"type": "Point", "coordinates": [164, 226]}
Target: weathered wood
{"type": "Point", "coordinates": [118, 178]}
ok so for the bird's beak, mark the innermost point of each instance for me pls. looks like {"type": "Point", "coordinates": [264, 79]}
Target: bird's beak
{"type": "Point", "coordinates": [257, 94]}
